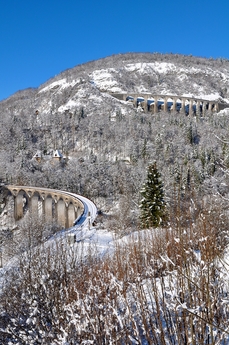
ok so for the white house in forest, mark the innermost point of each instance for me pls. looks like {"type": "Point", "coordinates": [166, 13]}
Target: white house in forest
{"type": "Point", "coordinates": [57, 156]}
{"type": "Point", "coordinates": [37, 156]}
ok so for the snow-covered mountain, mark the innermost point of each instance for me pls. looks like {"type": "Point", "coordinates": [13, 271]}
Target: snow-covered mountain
{"type": "Point", "coordinates": [76, 113]}
{"type": "Point", "coordinates": [91, 84]}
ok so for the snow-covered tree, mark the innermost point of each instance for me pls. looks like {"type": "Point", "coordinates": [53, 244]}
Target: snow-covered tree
{"type": "Point", "coordinates": [153, 206]}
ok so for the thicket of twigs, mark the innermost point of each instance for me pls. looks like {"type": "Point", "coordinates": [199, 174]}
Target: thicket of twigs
{"type": "Point", "coordinates": [159, 286]}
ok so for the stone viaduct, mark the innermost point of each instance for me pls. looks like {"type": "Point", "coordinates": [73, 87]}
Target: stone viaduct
{"type": "Point", "coordinates": [51, 204]}
{"type": "Point", "coordinates": [155, 103]}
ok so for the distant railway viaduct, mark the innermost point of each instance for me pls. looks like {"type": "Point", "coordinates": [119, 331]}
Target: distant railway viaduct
{"type": "Point", "coordinates": [51, 204]}
{"type": "Point", "coordinates": [170, 103]}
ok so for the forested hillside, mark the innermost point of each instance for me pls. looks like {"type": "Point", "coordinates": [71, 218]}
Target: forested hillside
{"type": "Point", "coordinates": [108, 144]}
{"type": "Point", "coordinates": [165, 286]}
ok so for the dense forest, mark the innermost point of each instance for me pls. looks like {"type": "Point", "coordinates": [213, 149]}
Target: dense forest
{"type": "Point", "coordinates": [161, 285]}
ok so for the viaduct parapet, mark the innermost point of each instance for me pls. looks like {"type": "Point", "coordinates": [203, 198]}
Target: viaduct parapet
{"type": "Point", "coordinates": [155, 103]}
{"type": "Point", "coordinates": [51, 204]}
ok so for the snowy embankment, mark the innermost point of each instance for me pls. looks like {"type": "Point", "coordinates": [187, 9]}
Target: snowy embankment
{"type": "Point", "coordinates": [85, 232]}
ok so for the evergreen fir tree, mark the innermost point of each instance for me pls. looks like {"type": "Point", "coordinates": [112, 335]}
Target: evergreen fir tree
{"type": "Point", "coordinates": [153, 207]}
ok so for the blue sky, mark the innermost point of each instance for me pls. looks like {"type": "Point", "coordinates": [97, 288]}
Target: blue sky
{"type": "Point", "coordinates": [39, 39]}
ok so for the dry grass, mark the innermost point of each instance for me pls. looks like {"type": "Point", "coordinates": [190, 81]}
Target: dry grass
{"type": "Point", "coordinates": [163, 286]}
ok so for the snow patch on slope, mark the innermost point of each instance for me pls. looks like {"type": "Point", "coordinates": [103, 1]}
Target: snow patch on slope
{"type": "Point", "coordinates": [60, 84]}
{"type": "Point", "coordinates": [69, 105]}
{"type": "Point", "coordinates": [105, 80]}
{"type": "Point", "coordinates": [145, 68]}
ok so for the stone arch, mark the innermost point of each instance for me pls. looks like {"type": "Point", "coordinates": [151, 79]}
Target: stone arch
{"type": "Point", "coordinates": [148, 101]}
{"type": "Point", "coordinates": [214, 106]}
{"type": "Point", "coordinates": [129, 99]}
{"type": "Point", "coordinates": [186, 106]}
{"type": "Point", "coordinates": [197, 107]}
{"type": "Point", "coordinates": [194, 107]}
{"type": "Point", "coordinates": [140, 101]}
{"type": "Point", "coordinates": [170, 104]}
{"type": "Point", "coordinates": [160, 104]}
{"type": "Point", "coordinates": [200, 107]}
{"type": "Point", "coordinates": [208, 106]}
{"type": "Point", "coordinates": [21, 204]}
{"type": "Point", "coordinates": [179, 103]}
{"type": "Point", "coordinates": [151, 104]}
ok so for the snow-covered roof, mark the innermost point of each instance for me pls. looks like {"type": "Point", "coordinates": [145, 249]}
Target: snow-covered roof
{"type": "Point", "coordinates": [57, 154]}
{"type": "Point", "coordinates": [37, 154]}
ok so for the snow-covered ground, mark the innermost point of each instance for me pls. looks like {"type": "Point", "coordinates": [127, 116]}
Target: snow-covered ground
{"type": "Point", "coordinates": [59, 84]}
{"type": "Point", "coordinates": [105, 80]}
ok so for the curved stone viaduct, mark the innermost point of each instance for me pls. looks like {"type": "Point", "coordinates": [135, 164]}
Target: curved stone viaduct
{"type": "Point", "coordinates": [155, 103]}
{"type": "Point", "coordinates": [53, 205]}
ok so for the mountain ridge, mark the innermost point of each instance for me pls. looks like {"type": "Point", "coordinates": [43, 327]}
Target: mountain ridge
{"type": "Point", "coordinates": [164, 73]}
